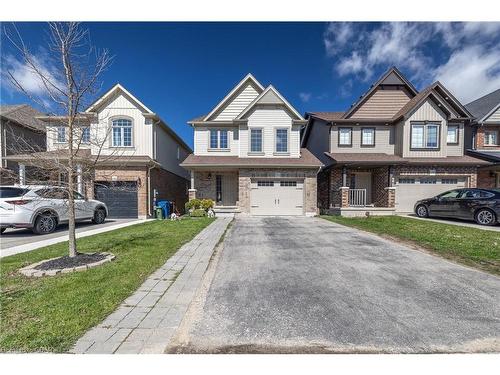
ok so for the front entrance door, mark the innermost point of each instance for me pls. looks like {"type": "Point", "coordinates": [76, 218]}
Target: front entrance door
{"type": "Point", "coordinates": [363, 180]}
{"type": "Point", "coordinates": [226, 186]}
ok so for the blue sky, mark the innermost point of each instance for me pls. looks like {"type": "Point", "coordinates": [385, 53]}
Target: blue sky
{"type": "Point", "coordinates": [182, 70]}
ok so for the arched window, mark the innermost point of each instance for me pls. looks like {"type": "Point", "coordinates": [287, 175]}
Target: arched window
{"type": "Point", "coordinates": [122, 132]}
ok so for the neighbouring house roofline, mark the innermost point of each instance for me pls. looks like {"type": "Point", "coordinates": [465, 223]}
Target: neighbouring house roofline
{"type": "Point", "coordinates": [364, 97]}
{"type": "Point", "coordinates": [492, 156]}
{"type": "Point", "coordinates": [24, 115]}
{"type": "Point", "coordinates": [116, 87]}
{"type": "Point", "coordinates": [484, 106]}
{"type": "Point", "coordinates": [306, 160]}
{"type": "Point", "coordinates": [248, 77]}
{"type": "Point", "coordinates": [270, 88]}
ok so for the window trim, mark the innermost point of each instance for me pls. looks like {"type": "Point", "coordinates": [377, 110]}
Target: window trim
{"type": "Point", "coordinates": [491, 144]}
{"type": "Point", "coordinates": [287, 152]}
{"type": "Point", "coordinates": [132, 135]}
{"type": "Point", "coordinates": [65, 135]}
{"type": "Point", "coordinates": [425, 124]}
{"type": "Point", "coordinates": [261, 152]}
{"type": "Point", "coordinates": [81, 136]}
{"type": "Point", "coordinates": [367, 144]}
{"type": "Point", "coordinates": [350, 136]}
{"type": "Point", "coordinates": [457, 134]}
{"type": "Point", "coordinates": [218, 148]}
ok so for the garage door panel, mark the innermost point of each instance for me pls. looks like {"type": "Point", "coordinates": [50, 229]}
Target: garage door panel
{"type": "Point", "coordinates": [277, 197]}
{"type": "Point", "coordinates": [119, 196]}
{"type": "Point", "coordinates": [411, 189]}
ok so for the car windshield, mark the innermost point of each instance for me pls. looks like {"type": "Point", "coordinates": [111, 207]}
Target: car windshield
{"type": "Point", "coordinates": [12, 192]}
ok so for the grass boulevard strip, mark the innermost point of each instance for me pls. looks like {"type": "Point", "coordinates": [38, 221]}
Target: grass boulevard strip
{"type": "Point", "coordinates": [473, 247]}
{"type": "Point", "coordinates": [49, 314]}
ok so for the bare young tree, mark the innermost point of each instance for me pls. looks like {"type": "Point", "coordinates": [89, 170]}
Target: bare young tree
{"type": "Point", "coordinates": [67, 89]}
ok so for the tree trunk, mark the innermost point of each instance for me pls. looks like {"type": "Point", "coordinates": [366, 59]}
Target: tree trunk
{"type": "Point", "coordinates": [71, 182]}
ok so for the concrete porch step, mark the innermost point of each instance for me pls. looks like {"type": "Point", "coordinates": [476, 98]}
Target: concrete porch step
{"type": "Point", "coordinates": [223, 211]}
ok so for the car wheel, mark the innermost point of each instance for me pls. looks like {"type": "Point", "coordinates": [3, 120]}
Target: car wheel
{"type": "Point", "coordinates": [422, 211]}
{"type": "Point", "coordinates": [99, 216]}
{"type": "Point", "coordinates": [2, 230]}
{"type": "Point", "coordinates": [45, 224]}
{"type": "Point", "coordinates": [485, 217]}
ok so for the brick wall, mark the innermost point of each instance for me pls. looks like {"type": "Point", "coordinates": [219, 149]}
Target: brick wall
{"type": "Point", "coordinates": [138, 174]}
{"type": "Point", "coordinates": [170, 187]}
{"type": "Point", "coordinates": [480, 137]}
{"type": "Point", "coordinates": [380, 179]}
{"type": "Point", "coordinates": [324, 189]}
{"type": "Point", "coordinates": [486, 179]}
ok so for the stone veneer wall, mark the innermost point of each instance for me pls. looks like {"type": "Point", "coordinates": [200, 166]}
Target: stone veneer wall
{"type": "Point", "coordinates": [310, 185]}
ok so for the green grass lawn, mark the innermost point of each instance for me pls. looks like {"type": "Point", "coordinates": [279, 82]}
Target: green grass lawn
{"type": "Point", "coordinates": [51, 313]}
{"type": "Point", "coordinates": [474, 247]}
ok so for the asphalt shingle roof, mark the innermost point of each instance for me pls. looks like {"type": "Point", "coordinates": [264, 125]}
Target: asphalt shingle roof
{"type": "Point", "coordinates": [23, 114]}
{"type": "Point", "coordinates": [482, 106]}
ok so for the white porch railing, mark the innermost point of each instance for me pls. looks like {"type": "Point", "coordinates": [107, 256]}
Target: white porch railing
{"type": "Point", "coordinates": [357, 197]}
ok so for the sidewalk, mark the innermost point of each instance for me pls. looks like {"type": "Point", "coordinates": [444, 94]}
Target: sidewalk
{"type": "Point", "coordinates": [147, 320]}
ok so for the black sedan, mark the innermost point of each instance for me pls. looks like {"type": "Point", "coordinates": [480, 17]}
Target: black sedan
{"type": "Point", "coordinates": [480, 205]}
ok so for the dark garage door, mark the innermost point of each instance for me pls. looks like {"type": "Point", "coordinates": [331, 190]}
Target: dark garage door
{"type": "Point", "coordinates": [119, 196]}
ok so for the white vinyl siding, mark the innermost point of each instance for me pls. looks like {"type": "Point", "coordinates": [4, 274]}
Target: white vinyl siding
{"type": "Point", "coordinates": [240, 101]}
{"type": "Point", "coordinates": [121, 107]}
{"type": "Point", "coordinates": [384, 140]}
{"type": "Point", "coordinates": [269, 119]}
{"type": "Point", "coordinates": [494, 117]}
{"type": "Point", "coordinates": [202, 141]}
{"type": "Point", "coordinates": [169, 153]}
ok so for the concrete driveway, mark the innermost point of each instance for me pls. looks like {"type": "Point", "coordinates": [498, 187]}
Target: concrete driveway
{"type": "Point", "coordinates": [285, 284]}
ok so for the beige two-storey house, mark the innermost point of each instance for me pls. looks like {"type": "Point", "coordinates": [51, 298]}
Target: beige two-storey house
{"type": "Point", "coordinates": [247, 155]}
{"type": "Point", "coordinates": [394, 146]}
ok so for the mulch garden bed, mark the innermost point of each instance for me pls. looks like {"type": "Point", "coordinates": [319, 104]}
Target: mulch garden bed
{"type": "Point", "coordinates": [82, 259]}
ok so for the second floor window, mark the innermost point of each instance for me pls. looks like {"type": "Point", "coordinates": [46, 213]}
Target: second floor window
{"type": "Point", "coordinates": [491, 138]}
{"type": "Point", "coordinates": [256, 140]}
{"type": "Point", "coordinates": [218, 139]}
{"type": "Point", "coordinates": [368, 137]}
{"type": "Point", "coordinates": [452, 134]}
{"type": "Point", "coordinates": [61, 134]}
{"type": "Point", "coordinates": [345, 135]}
{"type": "Point", "coordinates": [86, 135]}
{"type": "Point", "coordinates": [425, 136]}
{"type": "Point", "coordinates": [122, 133]}
{"type": "Point", "coordinates": [281, 140]}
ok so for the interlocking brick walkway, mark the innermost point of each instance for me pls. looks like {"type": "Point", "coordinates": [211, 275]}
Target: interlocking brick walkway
{"type": "Point", "coordinates": [148, 319]}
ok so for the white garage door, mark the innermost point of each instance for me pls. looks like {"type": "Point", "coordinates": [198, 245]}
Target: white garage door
{"type": "Point", "coordinates": [411, 189]}
{"type": "Point", "coordinates": [277, 197]}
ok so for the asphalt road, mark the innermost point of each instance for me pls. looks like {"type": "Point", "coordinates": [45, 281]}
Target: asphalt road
{"type": "Point", "coordinates": [16, 237]}
{"type": "Point", "coordinates": [303, 285]}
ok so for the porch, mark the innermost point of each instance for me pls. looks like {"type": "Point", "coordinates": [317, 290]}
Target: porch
{"type": "Point", "coordinates": [220, 186]}
{"type": "Point", "coordinates": [362, 191]}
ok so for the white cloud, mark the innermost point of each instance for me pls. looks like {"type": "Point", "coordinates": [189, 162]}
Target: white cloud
{"type": "Point", "coordinates": [305, 96]}
{"type": "Point", "coordinates": [463, 56]}
{"type": "Point", "coordinates": [470, 72]}
{"type": "Point", "coordinates": [27, 78]}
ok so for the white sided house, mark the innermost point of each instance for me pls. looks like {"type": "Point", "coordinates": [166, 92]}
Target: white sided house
{"type": "Point", "coordinates": [247, 155]}
{"type": "Point", "coordinates": [128, 156]}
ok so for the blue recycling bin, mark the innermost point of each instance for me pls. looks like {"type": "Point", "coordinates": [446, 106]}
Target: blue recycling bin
{"type": "Point", "coordinates": [165, 206]}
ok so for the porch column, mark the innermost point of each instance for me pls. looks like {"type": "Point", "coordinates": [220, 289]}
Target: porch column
{"type": "Point", "coordinates": [22, 174]}
{"type": "Point", "coordinates": [390, 196]}
{"type": "Point", "coordinates": [79, 180]}
{"type": "Point", "coordinates": [192, 190]}
{"type": "Point", "coordinates": [344, 176]}
{"type": "Point", "coordinates": [344, 196]}
{"type": "Point", "coordinates": [390, 176]}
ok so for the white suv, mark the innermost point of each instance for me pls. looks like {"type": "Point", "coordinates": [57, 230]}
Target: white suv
{"type": "Point", "coordinates": [43, 208]}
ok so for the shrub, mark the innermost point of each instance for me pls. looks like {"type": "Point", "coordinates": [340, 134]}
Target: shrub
{"type": "Point", "coordinates": [198, 213]}
{"type": "Point", "coordinates": [193, 204]}
{"type": "Point", "coordinates": [206, 204]}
